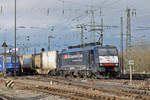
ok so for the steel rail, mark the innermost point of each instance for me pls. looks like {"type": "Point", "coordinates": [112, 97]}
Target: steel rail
{"type": "Point", "coordinates": [69, 93]}
{"type": "Point", "coordinates": [130, 93]}
{"type": "Point", "coordinates": [119, 92]}
{"type": "Point", "coordinates": [75, 92]}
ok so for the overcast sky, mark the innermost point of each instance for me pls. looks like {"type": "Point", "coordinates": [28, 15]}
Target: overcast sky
{"type": "Point", "coordinates": [40, 18]}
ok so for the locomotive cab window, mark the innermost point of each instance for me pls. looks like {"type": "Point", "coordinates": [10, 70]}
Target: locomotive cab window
{"type": "Point", "coordinates": [106, 51]}
{"type": "Point", "coordinates": [91, 57]}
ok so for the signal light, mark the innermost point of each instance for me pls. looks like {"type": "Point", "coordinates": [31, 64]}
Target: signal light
{"type": "Point", "coordinates": [108, 64]}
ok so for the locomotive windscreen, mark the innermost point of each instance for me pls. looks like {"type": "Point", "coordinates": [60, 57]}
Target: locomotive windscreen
{"type": "Point", "coordinates": [107, 51]}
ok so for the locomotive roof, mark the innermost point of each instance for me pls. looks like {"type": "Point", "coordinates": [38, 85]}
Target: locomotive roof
{"type": "Point", "coordinates": [85, 48]}
{"type": "Point", "coordinates": [78, 49]}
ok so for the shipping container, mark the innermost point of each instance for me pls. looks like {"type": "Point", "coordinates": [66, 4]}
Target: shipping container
{"type": "Point", "coordinates": [27, 61]}
{"type": "Point", "coordinates": [46, 62]}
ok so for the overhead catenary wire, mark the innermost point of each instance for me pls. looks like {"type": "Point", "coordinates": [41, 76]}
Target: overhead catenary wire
{"type": "Point", "coordinates": [80, 16]}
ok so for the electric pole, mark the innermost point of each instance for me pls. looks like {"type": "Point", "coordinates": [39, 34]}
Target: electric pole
{"type": "Point", "coordinates": [1, 10]}
{"type": "Point", "coordinates": [15, 40]}
{"type": "Point", "coordinates": [121, 45]}
{"type": "Point", "coordinates": [92, 26]}
{"type": "Point", "coordinates": [100, 27]}
{"type": "Point", "coordinates": [34, 51]}
{"type": "Point", "coordinates": [101, 32]}
{"type": "Point", "coordinates": [49, 37]}
{"type": "Point", "coordinates": [27, 44]}
{"type": "Point", "coordinates": [128, 34]}
{"type": "Point", "coordinates": [128, 37]}
{"type": "Point", "coordinates": [100, 12]}
{"type": "Point", "coordinates": [81, 26]}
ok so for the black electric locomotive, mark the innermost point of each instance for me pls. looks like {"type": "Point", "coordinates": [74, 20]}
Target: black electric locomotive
{"type": "Point", "coordinates": [89, 61]}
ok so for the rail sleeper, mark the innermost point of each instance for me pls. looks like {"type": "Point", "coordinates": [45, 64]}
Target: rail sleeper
{"type": "Point", "coordinates": [93, 95]}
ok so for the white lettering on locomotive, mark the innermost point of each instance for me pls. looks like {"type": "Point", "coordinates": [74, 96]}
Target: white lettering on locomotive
{"type": "Point", "coordinates": [108, 59]}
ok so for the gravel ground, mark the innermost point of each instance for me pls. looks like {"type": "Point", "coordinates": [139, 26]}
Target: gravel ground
{"type": "Point", "coordinates": [18, 93]}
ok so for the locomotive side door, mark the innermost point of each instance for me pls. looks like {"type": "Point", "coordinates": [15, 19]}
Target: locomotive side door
{"type": "Point", "coordinates": [95, 59]}
{"type": "Point", "coordinates": [86, 59]}
{"type": "Point", "coordinates": [91, 59]}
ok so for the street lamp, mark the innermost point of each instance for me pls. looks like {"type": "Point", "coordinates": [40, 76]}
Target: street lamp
{"type": "Point", "coordinates": [4, 45]}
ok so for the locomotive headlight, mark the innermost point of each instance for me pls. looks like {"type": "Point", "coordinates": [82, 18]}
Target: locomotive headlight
{"type": "Point", "coordinates": [101, 64]}
{"type": "Point", "coordinates": [116, 64]}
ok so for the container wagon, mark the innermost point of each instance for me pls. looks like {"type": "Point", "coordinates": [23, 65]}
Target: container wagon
{"type": "Point", "coordinates": [42, 63]}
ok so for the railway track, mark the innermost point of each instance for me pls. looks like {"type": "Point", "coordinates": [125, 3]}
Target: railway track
{"type": "Point", "coordinates": [107, 94]}
{"type": "Point", "coordinates": [135, 76]}
{"type": "Point", "coordinates": [2, 98]}
{"type": "Point", "coordinates": [132, 93]}
{"type": "Point", "coordinates": [68, 93]}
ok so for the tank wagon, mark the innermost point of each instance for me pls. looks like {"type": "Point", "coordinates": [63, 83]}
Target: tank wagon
{"type": "Point", "coordinates": [90, 61]}
{"type": "Point", "coordinates": [42, 63]}
{"type": "Point", "coordinates": [10, 63]}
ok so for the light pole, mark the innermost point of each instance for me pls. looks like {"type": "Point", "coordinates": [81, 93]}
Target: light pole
{"type": "Point", "coordinates": [4, 45]}
{"type": "Point", "coordinates": [15, 40]}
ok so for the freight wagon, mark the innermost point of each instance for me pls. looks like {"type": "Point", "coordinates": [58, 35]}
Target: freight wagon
{"type": "Point", "coordinates": [42, 63]}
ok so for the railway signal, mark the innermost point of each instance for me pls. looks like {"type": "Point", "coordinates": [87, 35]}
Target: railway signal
{"type": "Point", "coordinates": [131, 63]}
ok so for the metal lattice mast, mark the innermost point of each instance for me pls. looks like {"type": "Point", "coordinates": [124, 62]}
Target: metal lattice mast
{"type": "Point", "coordinates": [128, 34]}
{"type": "Point", "coordinates": [121, 44]}
{"type": "Point", "coordinates": [81, 26]}
{"type": "Point", "coordinates": [92, 26]}
{"type": "Point", "coordinates": [101, 32]}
